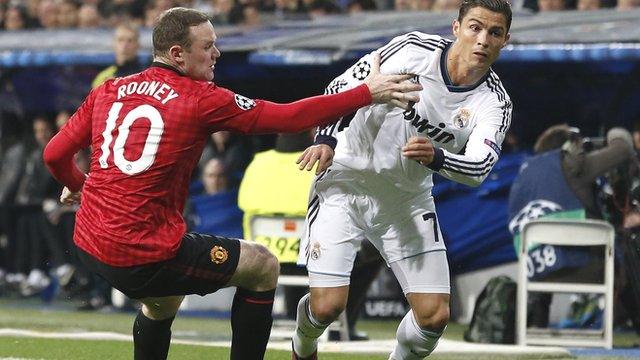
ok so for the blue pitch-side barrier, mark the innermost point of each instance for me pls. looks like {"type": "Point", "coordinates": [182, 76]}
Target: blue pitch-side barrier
{"type": "Point", "coordinates": [474, 221]}
{"type": "Point", "coordinates": [622, 353]}
{"type": "Point", "coordinates": [294, 57]}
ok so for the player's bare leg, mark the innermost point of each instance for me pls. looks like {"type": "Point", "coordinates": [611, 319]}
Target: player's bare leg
{"type": "Point", "coordinates": [420, 330]}
{"type": "Point", "coordinates": [251, 314]}
{"type": "Point", "coordinates": [152, 327]}
{"type": "Point", "coordinates": [316, 311]}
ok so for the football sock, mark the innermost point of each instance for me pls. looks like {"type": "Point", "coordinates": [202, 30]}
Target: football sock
{"type": "Point", "coordinates": [413, 342]}
{"type": "Point", "coordinates": [151, 338]}
{"type": "Point", "coordinates": [251, 320]}
{"type": "Point", "coordinates": [308, 329]}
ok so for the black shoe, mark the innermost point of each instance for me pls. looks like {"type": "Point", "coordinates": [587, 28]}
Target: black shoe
{"type": "Point", "coordinates": [334, 335]}
{"type": "Point", "coordinates": [94, 303]}
{"type": "Point", "coordinates": [358, 336]}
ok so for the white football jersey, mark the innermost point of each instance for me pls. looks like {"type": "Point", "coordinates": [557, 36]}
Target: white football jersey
{"type": "Point", "coordinates": [467, 124]}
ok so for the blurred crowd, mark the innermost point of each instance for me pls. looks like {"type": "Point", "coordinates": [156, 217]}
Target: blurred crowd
{"type": "Point", "coordinates": [69, 14]}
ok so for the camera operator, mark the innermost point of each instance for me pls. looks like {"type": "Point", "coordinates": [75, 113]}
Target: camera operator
{"type": "Point", "coordinates": [559, 182]}
{"type": "Point", "coordinates": [621, 206]}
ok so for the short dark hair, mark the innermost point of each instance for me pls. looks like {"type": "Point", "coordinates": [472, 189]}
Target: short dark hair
{"type": "Point", "coordinates": [555, 137]}
{"type": "Point", "coordinates": [500, 6]}
{"type": "Point", "coordinates": [173, 28]}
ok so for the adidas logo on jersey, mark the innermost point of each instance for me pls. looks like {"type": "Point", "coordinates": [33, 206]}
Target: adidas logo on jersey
{"type": "Point", "coordinates": [436, 133]}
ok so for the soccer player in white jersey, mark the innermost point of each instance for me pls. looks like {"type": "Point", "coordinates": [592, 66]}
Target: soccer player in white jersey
{"type": "Point", "coordinates": [377, 184]}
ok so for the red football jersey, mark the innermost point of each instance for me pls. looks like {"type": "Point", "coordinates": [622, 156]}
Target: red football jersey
{"type": "Point", "coordinates": [147, 132]}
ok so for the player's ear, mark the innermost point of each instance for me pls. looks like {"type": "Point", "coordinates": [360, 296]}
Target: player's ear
{"type": "Point", "coordinates": [176, 52]}
{"type": "Point", "coordinates": [455, 27]}
{"type": "Point", "coordinates": [506, 39]}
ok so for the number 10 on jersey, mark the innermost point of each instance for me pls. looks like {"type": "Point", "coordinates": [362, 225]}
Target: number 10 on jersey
{"type": "Point", "coordinates": [151, 143]}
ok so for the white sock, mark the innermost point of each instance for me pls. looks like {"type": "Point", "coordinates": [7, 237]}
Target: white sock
{"type": "Point", "coordinates": [413, 342]}
{"type": "Point", "coordinates": [308, 329]}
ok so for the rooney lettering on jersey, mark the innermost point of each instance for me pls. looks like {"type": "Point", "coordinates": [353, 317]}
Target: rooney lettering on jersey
{"type": "Point", "coordinates": [157, 90]}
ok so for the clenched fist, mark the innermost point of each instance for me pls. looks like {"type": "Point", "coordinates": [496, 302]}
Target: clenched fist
{"type": "Point", "coordinates": [419, 149]}
{"type": "Point", "coordinates": [69, 197]}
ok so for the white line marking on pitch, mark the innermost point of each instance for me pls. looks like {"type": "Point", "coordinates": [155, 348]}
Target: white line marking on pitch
{"type": "Point", "coordinates": [375, 346]}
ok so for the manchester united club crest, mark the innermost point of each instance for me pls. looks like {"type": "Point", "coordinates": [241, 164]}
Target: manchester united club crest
{"type": "Point", "coordinates": [243, 102]}
{"type": "Point", "coordinates": [461, 120]}
{"type": "Point", "coordinates": [315, 251]}
{"type": "Point", "coordinates": [361, 70]}
{"type": "Point", "coordinates": [219, 255]}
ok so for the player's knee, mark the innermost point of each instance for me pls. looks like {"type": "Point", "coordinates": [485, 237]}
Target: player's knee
{"type": "Point", "coordinates": [160, 309]}
{"type": "Point", "coordinates": [272, 271]}
{"type": "Point", "coordinates": [268, 268]}
{"type": "Point", "coordinates": [327, 310]}
{"type": "Point", "coordinates": [434, 320]}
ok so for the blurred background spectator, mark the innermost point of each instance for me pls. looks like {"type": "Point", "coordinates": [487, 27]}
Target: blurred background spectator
{"type": "Point", "coordinates": [38, 248]}
{"type": "Point", "coordinates": [89, 17]}
{"type": "Point", "coordinates": [15, 18]}
{"type": "Point", "coordinates": [68, 14]}
{"type": "Point", "coordinates": [47, 12]}
{"type": "Point", "coordinates": [126, 43]}
{"type": "Point", "coordinates": [214, 209]}
{"type": "Point", "coordinates": [234, 150]}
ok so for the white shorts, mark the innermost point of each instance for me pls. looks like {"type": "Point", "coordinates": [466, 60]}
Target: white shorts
{"type": "Point", "coordinates": [424, 273]}
{"type": "Point", "coordinates": [402, 228]}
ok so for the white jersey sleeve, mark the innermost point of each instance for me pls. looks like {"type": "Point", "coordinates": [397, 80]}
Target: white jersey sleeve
{"type": "Point", "coordinates": [482, 150]}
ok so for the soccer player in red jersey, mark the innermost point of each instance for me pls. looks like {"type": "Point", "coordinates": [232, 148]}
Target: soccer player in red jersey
{"type": "Point", "coordinates": [146, 132]}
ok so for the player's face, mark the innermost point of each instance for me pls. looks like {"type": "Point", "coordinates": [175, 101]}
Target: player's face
{"type": "Point", "coordinates": [200, 58]}
{"type": "Point", "coordinates": [125, 44]}
{"type": "Point", "coordinates": [481, 35]}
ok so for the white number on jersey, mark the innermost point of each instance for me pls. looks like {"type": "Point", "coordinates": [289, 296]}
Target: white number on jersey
{"type": "Point", "coordinates": [150, 149]}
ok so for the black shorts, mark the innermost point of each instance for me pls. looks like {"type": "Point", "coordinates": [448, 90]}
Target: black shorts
{"type": "Point", "coordinates": [203, 264]}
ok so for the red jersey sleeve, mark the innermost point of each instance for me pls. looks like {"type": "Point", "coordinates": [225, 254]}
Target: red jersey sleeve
{"type": "Point", "coordinates": [58, 157]}
{"type": "Point", "coordinates": [221, 109]}
{"type": "Point", "coordinates": [78, 128]}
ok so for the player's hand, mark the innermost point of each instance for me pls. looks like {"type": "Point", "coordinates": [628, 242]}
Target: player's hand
{"type": "Point", "coordinates": [69, 197]}
{"type": "Point", "coordinates": [391, 89]}
{"type": "Point", "coordinates": [321, 154]}
{"type": "Point", "coordinates": [419, 149]}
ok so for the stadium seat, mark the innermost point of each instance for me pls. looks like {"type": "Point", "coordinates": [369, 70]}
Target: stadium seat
{"type": "Point", "coordinates": [566, 233]}
{"type": "Point", "coordinates": [282, 236]}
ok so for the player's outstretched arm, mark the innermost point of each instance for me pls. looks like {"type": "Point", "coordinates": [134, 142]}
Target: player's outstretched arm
{"type": "Point", "coordinates": [391, 89]}
{"type": "Point", "coordinates": [320, 153]}
{"type": "Point", "coordinates": [321, 110]}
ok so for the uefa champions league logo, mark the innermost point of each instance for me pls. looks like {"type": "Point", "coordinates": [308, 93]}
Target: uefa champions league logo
{"type": "Point", "coordinates": [244, 103]}
{"type": "Point", "coordinates": [361, 70]}
{"type": "Point", "coordinates": [534, 209]}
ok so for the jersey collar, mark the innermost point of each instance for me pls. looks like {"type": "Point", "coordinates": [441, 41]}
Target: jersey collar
{"type": "Point", "coordinates": [445, 74]}
{"type": "Point", "coordinates": [166, 66]}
